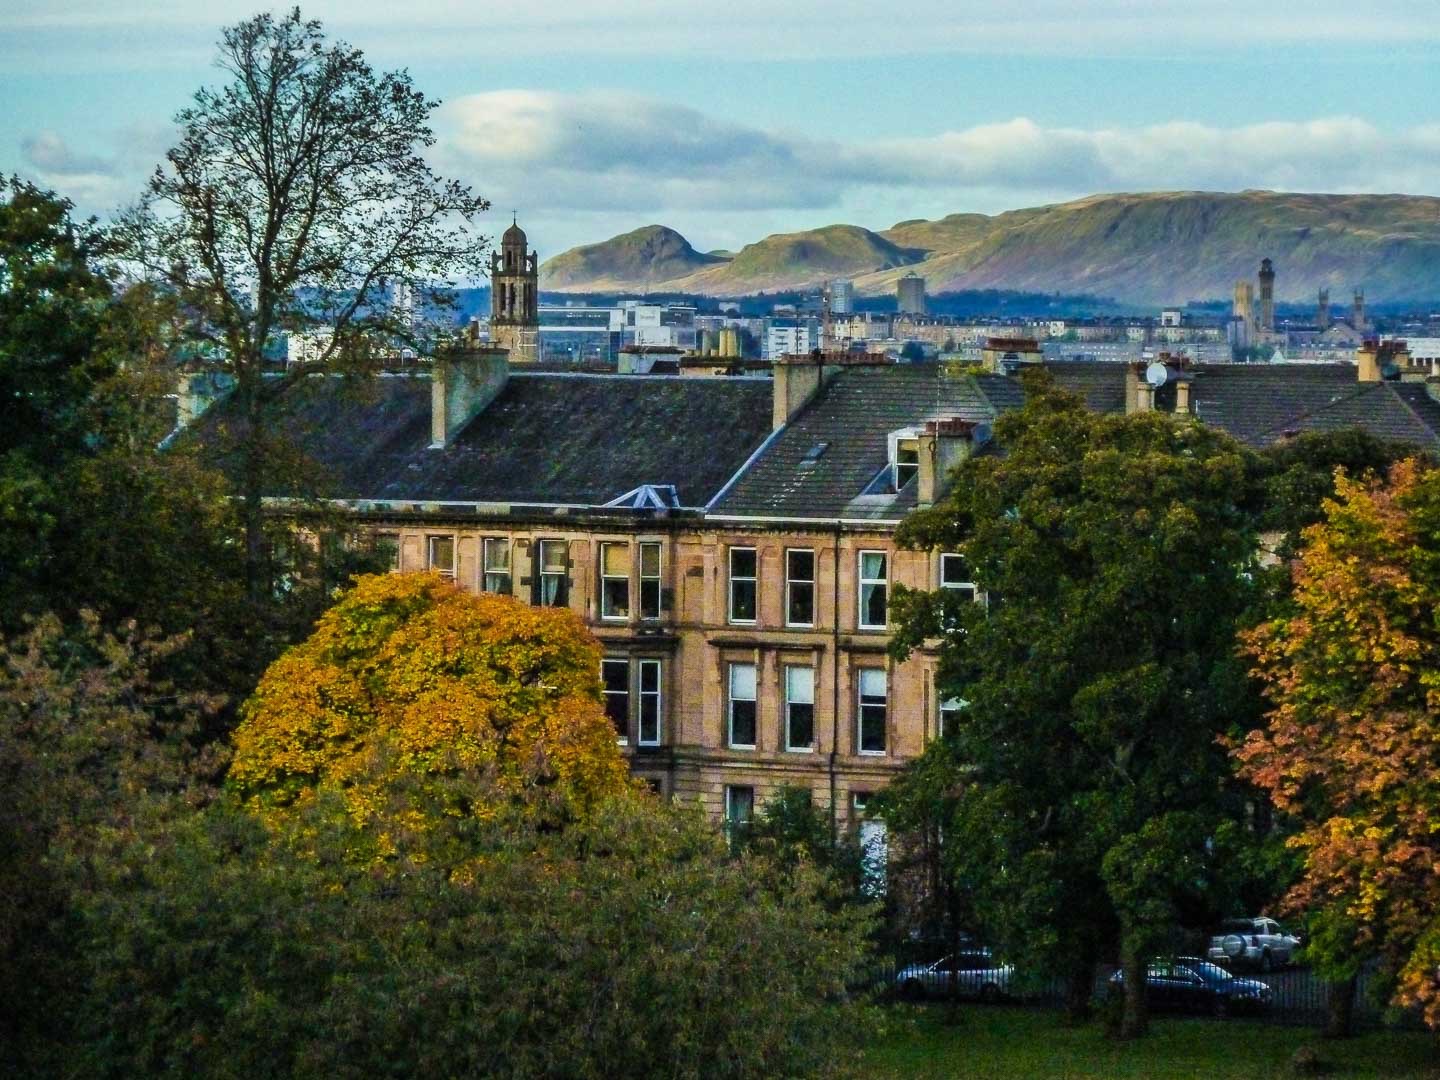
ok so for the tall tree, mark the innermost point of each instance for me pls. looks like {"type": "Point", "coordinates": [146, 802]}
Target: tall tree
{"type": "Point", "coordinates": [1082, 788]}
{"type": "Point", "coordinates": [1351, 667]}
{"type": "Point", "coordinates": [298, 199]}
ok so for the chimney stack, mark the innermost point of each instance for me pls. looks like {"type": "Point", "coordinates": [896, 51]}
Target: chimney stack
{"type": "Point", "coordinates": [943, 445]}
{"type": "Point", "coordinates": [462, 383]}
{"type": "Point", "coordinates": [797, 379]}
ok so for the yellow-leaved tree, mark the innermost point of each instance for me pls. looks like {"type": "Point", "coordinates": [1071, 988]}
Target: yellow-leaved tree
{"type": "Point", "coordinates": [409, 679]}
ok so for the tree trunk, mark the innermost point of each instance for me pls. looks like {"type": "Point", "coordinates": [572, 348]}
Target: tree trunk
{"type": "Point", "coordinates": [1136, 1019]}
{"type": "Point", "coordinates": [1340, 1008]}
{"type": "Point", "coordinates": [252, 492]}
{"type": "Point", "coordinates": [1079, 989]}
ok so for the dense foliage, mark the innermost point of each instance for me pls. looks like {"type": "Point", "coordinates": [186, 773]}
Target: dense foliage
{"type": "Point", "coordinates": [1082, 792]}
{"type": "Point", "coordinates": [1351, 668]}
{"type": "Point", "coordinates": [415, 672]}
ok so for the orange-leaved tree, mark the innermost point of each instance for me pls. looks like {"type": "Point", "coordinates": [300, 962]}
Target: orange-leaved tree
{"type": "Point", "coordinates": [409, 679]}
{"type": "Point", "coordinates": [1351, 749]}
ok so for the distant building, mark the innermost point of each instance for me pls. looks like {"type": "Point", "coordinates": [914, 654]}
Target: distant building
{"type": "Point", "coordinates": [1267, 297]}
{"type": "Point", "coordinates": [910, 294]}
{"type": "Point", "coordinates": [1244, 308]}
{"type": "Point", "coordinates": [575, 334]}
{"type": "Point", "coordinates": [1171, 317]}
{"type": "Point", "coordinates": [791, 337]}
{"type": "Point", "coordinates": [1357, 313]}
{"type": "Point", "coordinates": [670, 325]}
{"type": "Point", "coordinates": [1322, 311]}
{"type": "Point", "coordinates": [842, 296]}
{"type": "Point", "coordinates": [515, 297]}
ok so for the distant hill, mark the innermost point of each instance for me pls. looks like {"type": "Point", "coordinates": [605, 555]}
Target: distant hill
{"type": "Point", "coordinates": [631, 260]}
{"type": "Point", "coordinates": [1159, 248]}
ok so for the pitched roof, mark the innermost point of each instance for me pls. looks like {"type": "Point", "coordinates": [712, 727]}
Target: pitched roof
{"type": "Point", "coordinates": [851, 417]}
{"type": "Point", "coordinates": [577, 440]}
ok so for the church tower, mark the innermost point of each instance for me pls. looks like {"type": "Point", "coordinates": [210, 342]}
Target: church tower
{"type": "Point", "coordinates": [1267, 297]}
{"type": "Point", "coordinates": [515, 297]}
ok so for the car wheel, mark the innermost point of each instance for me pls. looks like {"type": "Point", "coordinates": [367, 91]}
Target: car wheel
{"type": "Point", "coordinates": [1267, 962]}
{"type": "Point", "coordinates": [989, 993]}
{"type": "Point", "coordinates": [912, 989]}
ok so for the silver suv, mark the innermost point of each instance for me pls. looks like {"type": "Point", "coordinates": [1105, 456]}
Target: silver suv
{"type": "Point", "coordinates": [1261, 943]}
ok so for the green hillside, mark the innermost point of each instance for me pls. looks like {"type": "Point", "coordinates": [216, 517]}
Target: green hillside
{"type": "Point", "coordinates": [1158, 248]}
{"type": "Point", "coordinates": [649, 254]}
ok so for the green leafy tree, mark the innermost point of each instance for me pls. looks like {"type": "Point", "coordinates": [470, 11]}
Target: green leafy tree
{"type": "Point", "coordinates": [298, 198]}
{"type": "Point", "coordinates": [1082, 788]}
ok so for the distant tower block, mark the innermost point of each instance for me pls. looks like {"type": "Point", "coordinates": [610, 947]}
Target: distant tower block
{"type": "Point", "coordinates": [1244, 308]}
{"type": "Point", "coordinates": [1357, 312]}
{"type": "Point", "coordinates": [910, 294]}
{"type": "Point", "coordinates": [515, 297]}
{"type": "Point", "coordinates": [1322, 310]}
{"type": "Point", "coordinates": [1267, 297]}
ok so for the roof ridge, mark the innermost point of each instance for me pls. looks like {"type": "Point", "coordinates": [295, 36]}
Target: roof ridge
{"type": "Point", "coordinates": [1415, 413]}
{"type": "Point", "coordinates": [1303, 414]}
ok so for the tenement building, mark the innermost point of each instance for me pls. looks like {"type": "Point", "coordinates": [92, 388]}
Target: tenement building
{"type": "Point", "coordinates": [730, 539]}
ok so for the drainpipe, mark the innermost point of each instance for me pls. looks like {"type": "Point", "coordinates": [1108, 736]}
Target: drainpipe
{"type": "Point", "coordinates": [835, 690]}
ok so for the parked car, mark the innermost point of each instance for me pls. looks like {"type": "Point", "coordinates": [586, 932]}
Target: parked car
{"type": "Point", "coordinates": [1189, 984]}
{"type": "Point", "coordinates": [974, 973]}
{"type": "Point", "coordinates": [1260, 943]}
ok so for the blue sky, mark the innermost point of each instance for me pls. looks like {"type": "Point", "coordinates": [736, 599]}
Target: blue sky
{"type": "Point", "coordinates": [731, 121]}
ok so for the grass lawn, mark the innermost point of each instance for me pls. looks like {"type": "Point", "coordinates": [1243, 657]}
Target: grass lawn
{"type": "Point", "coordinates": [1013, 1042]}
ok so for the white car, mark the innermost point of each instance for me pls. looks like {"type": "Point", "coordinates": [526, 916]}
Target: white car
{"type": "Point", "coordinates": [1259, 943]}
{"type": "Point", "coordinates": [974, 973]}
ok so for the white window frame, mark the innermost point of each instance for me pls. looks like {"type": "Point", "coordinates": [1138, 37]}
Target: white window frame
{"type": "Point", "coordinates": [861, 706]}
{"type": "Point", "coordinates": [430, 540]}
{"type": "Point", "coordinates": [641, 694]}
{"type": "Point", "coordinates": [732, 579]}
{"type": "Point", "coordinates": [623, 740]}
{"type": "Point", "coordinates": [790, 582]}
{"type": "Point", "coordinates": [862, 583]}
{"type": "Point", "coordinates": [493, 543]}
{"type": "Point", "coordinates": [790, 745]}
{"type": "Point", "coordinates": [731, 699]}
{"type": "Point", "coordinates": [562, 591]}
{"type": "Point", "coordinates": [957, 586]}
{"type": "Point", "coordinates": [947, 706]}
{"type": "Point", "coordinates": [606, 545]}
{"type": "Point", "coordinates": [657, 578]}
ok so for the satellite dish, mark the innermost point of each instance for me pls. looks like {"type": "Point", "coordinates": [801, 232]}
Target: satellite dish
{"type": "Point", "coordinates": [1156, 374]}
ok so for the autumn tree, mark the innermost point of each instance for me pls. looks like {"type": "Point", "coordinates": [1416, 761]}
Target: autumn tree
{"type": "Point", "coordinates": [1081, 792]}
{"type": "Point", "coordinates": [297, 199]}
{"type": "Point", "coordinates": [408, 673]}
{"type": "Point", "coordinates": [1351, 670]}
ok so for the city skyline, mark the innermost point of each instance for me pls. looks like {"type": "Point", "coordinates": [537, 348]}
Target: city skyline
{"type": "Point", "coordinates": [592, 119]}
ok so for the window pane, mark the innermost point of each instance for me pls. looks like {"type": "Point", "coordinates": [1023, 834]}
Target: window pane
{"type": "Point", "coordinates": [742, 562]}
{"type": "Point", "coordinates": [742, 601]}
{"type": "Point", "coordinates": [497, 555]}
{"type": "Point", "coordinates": [742, 722]}
{"type": "Point", "coordinates": [800, 565]}
{"type": "Point", "coordinates": [800, 685]}
{"type": "Point", "coordinates": [872, 565]}
{"type": "Point", "coordinates": [615, 674]}
{"type": "Point", "coordinates": [873, 682]}
{"type": "Point", "coordinates": [615, 598]}
{"type": "Point", "coordinates": [953, 570]}
{"type": "Point", "coordinates": [801, 734]}
{"type": "Point", "coordinates": [742, 681]}
{"type": "Point", "coordinates": [615, 560]}
{"type": "Point", "coordinates": [553, 556]}
{"type": "Point", "coordinates": [442, 554]}
{"type": "Point", "coordinates": [649, 560]}
{"type": "Point", "coordinates": [801, 611]}
{"type": "Point", "coordinates": [650, 702]}
{"type": "Point", "coordinates": [872, 605]}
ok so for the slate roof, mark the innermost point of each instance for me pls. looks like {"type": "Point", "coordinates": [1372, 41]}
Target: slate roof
{"type": "Point", "coordinates": [853, 414]}
{"type": "Point", "coordinates": [577, 440]}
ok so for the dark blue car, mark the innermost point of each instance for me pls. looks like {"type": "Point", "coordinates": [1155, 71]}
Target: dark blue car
{"type": "Point", "coordinates": [1189, 984]}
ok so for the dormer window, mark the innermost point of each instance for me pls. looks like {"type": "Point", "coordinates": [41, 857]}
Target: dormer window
{"type": "Point", "coordinates": [903, 458]}
{"type": "Point", "coordinates": [907, 462]}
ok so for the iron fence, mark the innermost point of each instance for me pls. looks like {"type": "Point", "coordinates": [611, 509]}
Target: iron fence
{"type": "Point", "coordinates": [1297, 995]}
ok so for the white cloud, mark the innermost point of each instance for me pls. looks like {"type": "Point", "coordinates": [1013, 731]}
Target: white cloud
{"type": "Point", "coordinates": [611, 152]}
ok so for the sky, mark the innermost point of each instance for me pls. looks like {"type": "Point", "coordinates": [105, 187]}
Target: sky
{"type": "Point", "coordinates": [730, 121]}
